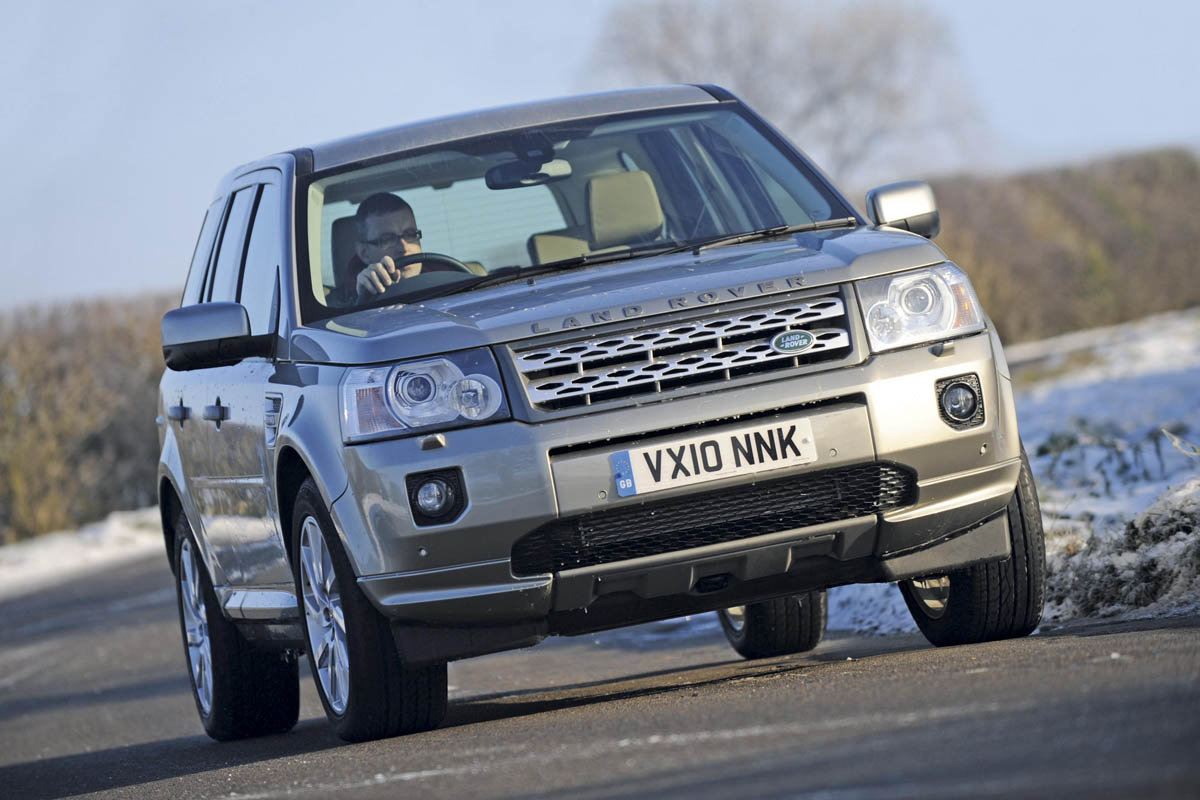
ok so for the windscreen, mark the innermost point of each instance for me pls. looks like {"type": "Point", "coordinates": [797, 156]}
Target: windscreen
{"type": "Point", "coordinates": [551, 197]}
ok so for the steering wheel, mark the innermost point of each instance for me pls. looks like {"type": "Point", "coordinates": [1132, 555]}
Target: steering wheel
{"type": "Point", "coordinates": [437, 258]}
{"type": "Point", "coordinates": [425, 280]}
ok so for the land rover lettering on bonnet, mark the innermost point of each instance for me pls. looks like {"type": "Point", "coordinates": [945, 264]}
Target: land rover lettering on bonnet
{"type": "Point", "coordinates": [453, 387]}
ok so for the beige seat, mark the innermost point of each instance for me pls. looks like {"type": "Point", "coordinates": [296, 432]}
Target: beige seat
{"type": "Point", "coordinates": [557, 245]}
{"type": "Point", "coordinates": [622, 209]}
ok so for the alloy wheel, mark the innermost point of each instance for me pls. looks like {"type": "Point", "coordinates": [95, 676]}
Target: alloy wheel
{"type": "Point", "coordinates": [736, 617]}
{"type": "Point", "coordinates": [195, 626]}
{"type": "Point", "coordinates": [932, 594]}
{"type": "Point", "coordinates": [324, 619]}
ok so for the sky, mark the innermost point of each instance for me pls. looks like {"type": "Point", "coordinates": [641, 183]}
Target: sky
{"type": "Point", "coordinates": [119, 118]}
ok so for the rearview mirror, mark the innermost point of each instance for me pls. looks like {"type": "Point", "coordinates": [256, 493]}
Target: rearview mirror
{"type": "Point", "coordinates": [909, 205]}
{"type": "Point", "coordinates": [515, 174]}
{"type": "Point", "coordinates": [209, 335]}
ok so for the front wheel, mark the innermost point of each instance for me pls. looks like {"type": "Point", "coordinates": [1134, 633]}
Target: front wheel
{"type": "Point", "coordinates": [777, 627]}
{"type": "Point", "coordinates": [365, 689]}
{"type": "Point", "coordinates": [986, 602]}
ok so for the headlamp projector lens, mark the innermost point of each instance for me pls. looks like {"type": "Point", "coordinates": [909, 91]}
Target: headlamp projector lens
{"type": "Point", "coordinates": [416, 388]}
{"type": "Point", "coordinates": [917, 300]}
{"type": "Point", "coordinates": [960, 402]}
{"type": "Point", "coordinates": [434, 496]}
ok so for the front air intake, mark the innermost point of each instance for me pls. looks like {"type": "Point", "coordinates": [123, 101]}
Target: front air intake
{"type": "Point", "coordinates": [726, 515]}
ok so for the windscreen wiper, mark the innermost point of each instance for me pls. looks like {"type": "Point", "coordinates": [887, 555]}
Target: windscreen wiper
{"type": "Point", "coordinates": [767, 233]}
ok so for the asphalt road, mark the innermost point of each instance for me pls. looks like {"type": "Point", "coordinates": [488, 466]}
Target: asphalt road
{"type": "Point", "coordinates": [94, 699]}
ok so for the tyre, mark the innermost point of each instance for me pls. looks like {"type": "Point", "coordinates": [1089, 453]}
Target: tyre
{"type": "Point", "coordinates": [998, 600]}
{"type": "Point", "coordinates": [240, 690]}
{"type": "Point", "coordinates": [776, 627]}
{"type": "Point", "coordinates": [365, 689]}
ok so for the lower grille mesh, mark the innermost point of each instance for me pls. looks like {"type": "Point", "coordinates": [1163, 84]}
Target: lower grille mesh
{"type": "Point", "coordinates": [727, 515]}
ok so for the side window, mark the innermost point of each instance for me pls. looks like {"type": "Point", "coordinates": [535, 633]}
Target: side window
{"type": "Point", "coordinates": [263, 253]}
{"type": "Point", "coordinates": [202, 254]}
{"type": "Point", "coordinates": [223, 285]}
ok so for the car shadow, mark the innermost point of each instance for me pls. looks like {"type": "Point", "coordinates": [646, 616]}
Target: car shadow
{"type": "Point", "coordinates": [139, 764]}
{"type": "Point", "coordinates": [512, 704]}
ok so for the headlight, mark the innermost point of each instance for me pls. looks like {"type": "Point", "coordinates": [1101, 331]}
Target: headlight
{"type": "Point", "coordinates": [919, 306]}
{"type": "Point", "coordinates": [442, 392]}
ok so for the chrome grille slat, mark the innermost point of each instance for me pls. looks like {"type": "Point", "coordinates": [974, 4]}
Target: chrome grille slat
{"type": "Point", "coordinates": [782, 317]}
{"type": "Point", "coordinates": [692, 362]}
{"type": "Point", "coordinates": [670, 356]}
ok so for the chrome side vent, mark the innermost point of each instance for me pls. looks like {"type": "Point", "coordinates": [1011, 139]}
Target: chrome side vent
{"type": "Point", "coordinates": [272, 407]}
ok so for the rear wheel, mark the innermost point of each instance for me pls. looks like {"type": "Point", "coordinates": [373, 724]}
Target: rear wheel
{"type": "Point", "coordinates": [777, 627]}
{"type": "Point", "coordinates": [999, 600]}
{"type": "Point", "coordinates": [240, 691]}
{"type": "Point", "coordinates": [365, 689]}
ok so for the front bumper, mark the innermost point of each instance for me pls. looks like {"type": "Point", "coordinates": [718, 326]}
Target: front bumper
{"type": "Point", "coordinates": [520, 476]}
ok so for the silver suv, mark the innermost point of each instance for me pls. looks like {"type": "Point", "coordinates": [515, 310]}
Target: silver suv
{"type": "Point", "coordinates": [452, 387]}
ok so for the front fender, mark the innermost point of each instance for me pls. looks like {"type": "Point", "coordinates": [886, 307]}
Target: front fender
{"type": "Point", "coordinates": [310, 429]}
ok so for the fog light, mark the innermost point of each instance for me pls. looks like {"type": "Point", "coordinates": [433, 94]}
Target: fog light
{"type": "Point", "coordinates": [434, 496]}
{"type": "Point", "coordinates": [960, 402]}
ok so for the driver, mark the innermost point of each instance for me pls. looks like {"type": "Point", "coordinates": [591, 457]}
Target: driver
{"type": "Point", "coordinates": [387, 231]}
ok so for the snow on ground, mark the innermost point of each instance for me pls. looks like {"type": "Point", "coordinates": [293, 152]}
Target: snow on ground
{"type": "Point", "coordinates": [1120, 498]}
{"type": "Point", "coordinates": [1121, 503]}
{"type": "Point", "coordinates": [55, 557]}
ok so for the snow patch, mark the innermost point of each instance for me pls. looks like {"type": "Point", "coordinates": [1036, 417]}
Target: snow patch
{"type": "Point", "coordinates": [50, 559]}
{"type": "Point", "coordinates": [874, 608]}
{"type": "Point", "coordinates": [1150, 567]}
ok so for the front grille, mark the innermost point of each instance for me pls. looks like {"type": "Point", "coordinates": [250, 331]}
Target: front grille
{"type": "Point", "coordinates": [726, 515]}
{"type": "Point", "coordinates": [651, 360]}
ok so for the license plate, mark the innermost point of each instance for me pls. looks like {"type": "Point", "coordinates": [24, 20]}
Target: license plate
{"type": "Point", "coordinates": [709, 457]}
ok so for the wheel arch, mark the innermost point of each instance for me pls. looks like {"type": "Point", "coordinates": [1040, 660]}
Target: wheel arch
{"type": "Point", "coordinates": [170, 507]}
{"type": "Point", "coordinates": [291, 470]}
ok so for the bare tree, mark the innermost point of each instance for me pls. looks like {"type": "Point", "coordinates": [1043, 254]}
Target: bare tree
{"type": "Point", "coordinates": [850, 83]}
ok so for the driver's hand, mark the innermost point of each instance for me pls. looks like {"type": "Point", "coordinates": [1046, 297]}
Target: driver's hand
{"type": "Point", "coordinates": [377, 277]}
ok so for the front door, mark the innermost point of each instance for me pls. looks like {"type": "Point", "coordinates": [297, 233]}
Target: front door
{"type": "Point", "coordinates": [235, 498]}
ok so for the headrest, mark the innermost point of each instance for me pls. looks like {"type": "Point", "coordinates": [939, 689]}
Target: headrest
{"type": "Point", "coordinates": [622, 208]}
{"type": "Point", "coordinates": [344, 236]}
{"type": "Point", "coordinates": [556, 246]}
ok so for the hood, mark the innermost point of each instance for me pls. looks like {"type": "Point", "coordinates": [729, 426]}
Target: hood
{"type": "Point", "coordinates": [606, 293]}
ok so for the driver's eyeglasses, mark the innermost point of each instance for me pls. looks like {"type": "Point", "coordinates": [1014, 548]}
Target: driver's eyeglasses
{"type": "Point", "coordinates": [387, 240]}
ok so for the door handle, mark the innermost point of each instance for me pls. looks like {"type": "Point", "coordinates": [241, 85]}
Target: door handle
{"type": "Point", "coordinates": [216, 413]}
{"type": "Point", "coordinates": [178, 413]}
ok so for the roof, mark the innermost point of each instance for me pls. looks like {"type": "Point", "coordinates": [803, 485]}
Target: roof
{"type": "Point", "coordinates": [480, 123]}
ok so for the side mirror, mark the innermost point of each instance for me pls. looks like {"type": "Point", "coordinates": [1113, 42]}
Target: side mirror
{"type": "Point", "coordinates": [209, 335]}
{"type": "Point", "coordinates": [909, 205]}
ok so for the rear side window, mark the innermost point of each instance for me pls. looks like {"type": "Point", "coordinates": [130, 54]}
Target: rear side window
{"type": "Point", "coordinates": [202, 253]}
{"type": "Point", "coordinates": [257, 292]}
{"type": "Point", "coordinates": [224, 283]}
